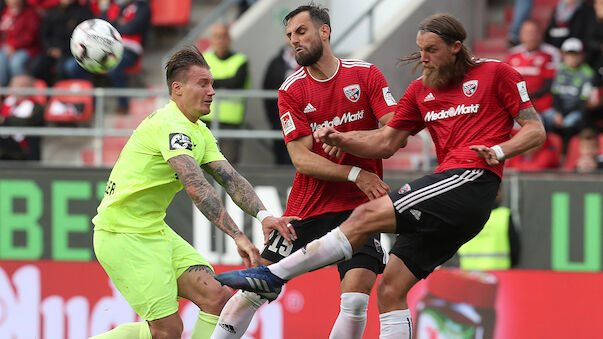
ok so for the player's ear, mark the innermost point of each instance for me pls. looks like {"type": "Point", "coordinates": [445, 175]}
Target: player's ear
{"type": "Point", "coordinates": [177, 88]}
{"type": "Point", "coordinates": [325, 32]}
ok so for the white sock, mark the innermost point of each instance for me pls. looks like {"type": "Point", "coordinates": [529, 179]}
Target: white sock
{"type": "Point", "coordinates": [331, 248]}
{"type": "Point", "coordinates": [237, 314]}
{"type": "Point", "coordinates": [351, 321]}
{"type": "Point", "coordinates": [396, 325]}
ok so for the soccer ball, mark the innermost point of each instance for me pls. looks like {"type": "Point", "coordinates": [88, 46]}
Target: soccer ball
{"type": "Point", "coordinates": [96, 45]}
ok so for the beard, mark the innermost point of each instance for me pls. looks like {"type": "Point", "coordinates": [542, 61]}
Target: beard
{"type": "Point", "coordinates": [441, 76]}
{"type": "Point", "coordinates": [312, 56]}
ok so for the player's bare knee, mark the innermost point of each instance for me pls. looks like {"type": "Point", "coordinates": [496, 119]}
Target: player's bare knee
{"type": "Point", "coordinates": [166, 330]}
{"type": "Point", "coordinates": [359, 221]}
{"type": "Point", "coordinates": [389, 292]}
{"type": "Point", "coordinates": [215, 304]}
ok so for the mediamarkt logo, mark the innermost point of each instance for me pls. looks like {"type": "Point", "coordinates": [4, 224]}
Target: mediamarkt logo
{"type": "Point", "coordinates": [451, 112]}
{"type": "Point", "coordinates": [347, 117]}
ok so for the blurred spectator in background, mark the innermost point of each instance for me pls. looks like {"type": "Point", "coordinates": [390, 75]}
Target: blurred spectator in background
{"type": "Point", "coordinates": [280, 68]}
{"type": "Point", "coordinates": [20, 110]}
{"type": "Point", "coordinates": [571, 88]}
{"type": "Point", "coordinates": [591, 156]}
{"type": "Point", "coordinates": [496, 246]}
{"type": "Point", "coordinates": [41, 6]}
{"type": "Point", "coordinates": [545, 157]}
{"type": "Point", "coordinates": [594, 57]}
{"type": "Point", "coordinates": [18, 39]}
{"type": "Point", "coordinates": [536, 62]}
{"type": "Point", "coordinates": [230, 71]}
{"type": "Point", "coordinates": [570, 18]}
{"type": "Point", "coordinates": [521, 13]}
{"type": "Point", "coordinates": [55, 32]}
{"type": "Point", "coordinates": [132, 19]}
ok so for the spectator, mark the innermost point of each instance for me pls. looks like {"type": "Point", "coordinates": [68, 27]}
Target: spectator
{"type": "Point", "coordinates": [571, 88]}
{"type": "Point", "coordinates": [18, 39]}
{"type": "Point", "coordinates": [20, 110]}
{"type": "Point", "coordinates": [230, 71]}
{"type": "Point", "coordinates": [541, 158]}
{"type": "Point", "coordinates": [280, 68]}
{"type": "Point", "coordinates": [521, 13]}
{"type": "Point", "coordinates": [57, 25]}
{"type": "Point", "coordinates": [496, 246]}
{"type": "Point", "coordinates": [41, 6]}
{"type": "Point", "coordinates": [593, 42]}
{"type": "Point", "coordinates": [536, 62]}
{"type": "Point", "coordinates": [570, 18]}
{"type": "Point", "coordinates": [591, 158]}
{"type": "Point", "coordinates": [132, 19]}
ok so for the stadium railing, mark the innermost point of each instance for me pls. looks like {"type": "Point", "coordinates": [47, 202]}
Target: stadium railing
{"type": "Point", "coordinates": [97, 129]}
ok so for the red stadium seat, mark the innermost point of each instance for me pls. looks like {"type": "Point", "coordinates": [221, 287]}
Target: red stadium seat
{"type": "Point", "coordinates": [573, 153]}
{"type": "Point", "coordinates": [41, 99]}
{"type": "Point", "coordinates": [170, 13]}
{"type": "Point", "coordinates": [70, 107]}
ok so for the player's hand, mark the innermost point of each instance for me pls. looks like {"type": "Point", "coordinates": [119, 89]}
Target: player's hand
{"type": "Point", "coordinates": [332, 151]}
{"type": "Point", "coordinates": [486, 153]}
{"type": "Point", "coordinates": [328, 135]}
{"type": "Point", "coordinates": [249, 253]}
{"type": "Point", "coordinates": [371, 185]}
{"type": "Point", "coordinates": [281, 225]}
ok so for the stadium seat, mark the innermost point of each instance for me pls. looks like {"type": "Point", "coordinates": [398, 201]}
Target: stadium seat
{"type": "Point", "coordinates": [170, 13]}
{"type": "Point", "coordinates": [573, 154]}
{"type": "Point", "coordinates": [71, 107]}
{"type": "Point", "coordinates": [557, 142]}
{"type": "Point", "coordinates": [41, 99]}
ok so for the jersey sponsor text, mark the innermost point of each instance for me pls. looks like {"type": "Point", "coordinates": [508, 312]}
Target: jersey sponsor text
{"type": "Point", "coordinates": [451, 112]}
{"type": "Point", "coordinates": [336, 121]}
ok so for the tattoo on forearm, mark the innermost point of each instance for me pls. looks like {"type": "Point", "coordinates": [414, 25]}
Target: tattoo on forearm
{"type": "Point", "coordinates": [238, 188]}
{"type": "Point", "coordinates": [196, 268]}
{"type": "Point", "coordinates": [202, 193]}
{"type": "Point", "coordinates": [528, 114]}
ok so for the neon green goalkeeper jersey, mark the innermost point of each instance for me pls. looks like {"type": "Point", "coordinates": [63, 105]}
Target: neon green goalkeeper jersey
{"type": "Point", "coordinates": [142, 184]}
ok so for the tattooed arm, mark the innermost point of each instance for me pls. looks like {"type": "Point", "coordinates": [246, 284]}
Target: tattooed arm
{"type": "Point", "coordinates": [207, 201]}
{"type": "Point", "coordinates": [530, 135]}
{"type": "Point", "coordinates": [244, 196]}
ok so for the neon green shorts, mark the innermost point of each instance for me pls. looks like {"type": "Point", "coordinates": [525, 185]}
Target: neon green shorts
{"type": "Point", "coordinates": [145, 267]}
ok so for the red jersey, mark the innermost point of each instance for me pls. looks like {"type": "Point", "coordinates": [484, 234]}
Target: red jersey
{"type": "Point", "coordinates": [352, 99]}
{"type": "Point", "coordinates": [536, 67]}
{"type": "Point", "coordinates": [479, 111]}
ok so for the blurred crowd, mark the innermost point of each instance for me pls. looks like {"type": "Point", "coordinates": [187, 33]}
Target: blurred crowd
{"type": "Point", "coordinates": [561, 61]}
{"type": "Point", "coordinates": [562, 64]}
{"type": "Point", "coordinates": [34, 50]}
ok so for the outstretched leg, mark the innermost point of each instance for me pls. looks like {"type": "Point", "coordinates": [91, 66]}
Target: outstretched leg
{"type": "Point", "coordinates": [372, 217]}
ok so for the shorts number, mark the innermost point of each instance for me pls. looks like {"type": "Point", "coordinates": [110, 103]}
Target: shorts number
{"type": "Point", "coordinates": [281, 246]}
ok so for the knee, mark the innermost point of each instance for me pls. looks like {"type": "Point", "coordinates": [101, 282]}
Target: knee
{"type": "Point", "coordinates": [388, 292]}
{"type": "Point", "coordinates": [217, 298]}
{"type": "Point", "coordinates": [354, 304]}
{"type": "Point", "coordinates": [358, 222]}
{"type": "Point", "coordinates": [167, 330]}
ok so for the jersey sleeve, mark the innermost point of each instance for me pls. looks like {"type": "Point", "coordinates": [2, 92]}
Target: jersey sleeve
{"type": "Point", "coordinates": [512, 89]}
{"type": "Point", "coordinates": [408, 116]}
{"type": "Point", "coordinates": [212, 151]}
{"type": "Point", "coordinates": [293, 121]}
{"type": "Point", "coordinates": [173, 139]}
{"type": "Point", "coordinates": [380, 97]}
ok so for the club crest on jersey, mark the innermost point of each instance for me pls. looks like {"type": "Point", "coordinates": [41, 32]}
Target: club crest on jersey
{"type": "Point", "coordinates": [469, 87]}
{"type": "Point", "coordinates": [180, 141]}
{"type": "Point", "coordinates": [352, 92]}
{"type": "Point", "coordinates": [404, 188]}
